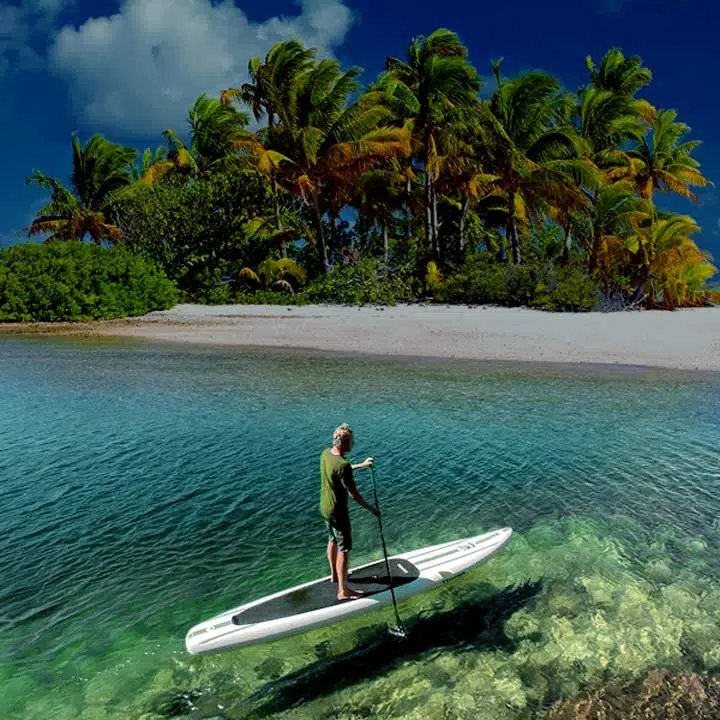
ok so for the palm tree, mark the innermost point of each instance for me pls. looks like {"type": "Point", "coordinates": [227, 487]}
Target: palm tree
{"type": "Point", "coordinates": [607, 122]}
{"type": "Point", "coordinates": [378, 196]}
{"type": "Point", "coordinates": [147, 160]}
{"type": "Point", "coordinates": [534, 152]}
{"type": "Point", "coordinates": [272, 90]}
{"type": "Point", "coordinates": [686, 286]}
{"type": "Point", "coordinates": [215, 127]}
{"type": "Point", "coordinates": [663, 161]}
{"type": "Point", "coordinates": [462, 179]}
{"type": "Point", "coordinates": [100, 170]}
{"type": "Point", "coordinates": [327, 144]}
{"type": "Point", "coordinates": [620, 75]}
{"type": "Point", "coordinates": [608, 113]}
{"type": "Point", "coordinates": [271, 94]}
{"type": "Point", "coordinates": [616, 212]}
{"type": "Point", "coordinates": [283, 275]}
{"type": "Point", "coordinates": [434, 86]}
{"type": "Point", "coordinates": [670, 263]}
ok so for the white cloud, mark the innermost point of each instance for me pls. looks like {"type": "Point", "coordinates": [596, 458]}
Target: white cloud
{"type": "Point", "coordinates": [48, 7]}
{"type": "Point", "coordinates": [14, 34]}
{"type": "Point", "coordinates": [23, 28]}
{"type": "Point", "coordinates": [137, 72]}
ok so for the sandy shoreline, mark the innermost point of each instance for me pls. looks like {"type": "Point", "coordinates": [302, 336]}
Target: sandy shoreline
{"type": "Point", "coordinates": [686, 339]}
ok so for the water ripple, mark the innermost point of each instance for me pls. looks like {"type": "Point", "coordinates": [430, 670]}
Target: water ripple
{"type": "Point", "coordinates": [147, 487]}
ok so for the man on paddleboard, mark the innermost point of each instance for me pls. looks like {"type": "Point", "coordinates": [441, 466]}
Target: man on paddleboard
{"type": "Point", "coordinates": [336, 483]}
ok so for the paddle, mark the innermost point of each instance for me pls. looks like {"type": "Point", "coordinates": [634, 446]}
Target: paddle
{"type": "Point", "coordinates": [398, 630]}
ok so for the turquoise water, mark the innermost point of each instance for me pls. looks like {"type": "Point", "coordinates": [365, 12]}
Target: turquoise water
{"type": "Point", "coordinates": [146, 487]}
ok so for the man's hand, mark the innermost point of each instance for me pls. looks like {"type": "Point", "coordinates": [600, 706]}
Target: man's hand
{"type": "Point", "coordinates": [361, 466]}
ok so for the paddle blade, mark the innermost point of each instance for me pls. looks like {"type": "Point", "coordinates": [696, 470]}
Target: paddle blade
{"type": "Point", "coordinates": [398, 632]}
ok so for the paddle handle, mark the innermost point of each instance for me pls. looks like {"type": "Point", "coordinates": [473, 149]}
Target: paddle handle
{"type": "Point", "coordinates": [385, 554]}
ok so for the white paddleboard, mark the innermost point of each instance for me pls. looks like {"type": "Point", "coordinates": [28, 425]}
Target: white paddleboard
{"type": "Point", "coordinates": [313, 604]}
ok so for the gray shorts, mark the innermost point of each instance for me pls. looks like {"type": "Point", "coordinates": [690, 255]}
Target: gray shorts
{"type": "Point", "coordinates": [339, 533]}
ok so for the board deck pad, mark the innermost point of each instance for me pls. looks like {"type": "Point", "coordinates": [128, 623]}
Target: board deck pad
{"type": "Point", "coordinates": [369, 580]}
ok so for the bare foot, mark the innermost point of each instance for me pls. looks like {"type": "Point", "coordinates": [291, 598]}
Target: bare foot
{"type": "Point", "coordinates": [354, 595]}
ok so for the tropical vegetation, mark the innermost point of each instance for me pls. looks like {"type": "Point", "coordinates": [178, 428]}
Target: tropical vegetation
{"type": "Point", "coordinates": [78, 281]}
{"type": "Point", "coordinates": [431, 183]}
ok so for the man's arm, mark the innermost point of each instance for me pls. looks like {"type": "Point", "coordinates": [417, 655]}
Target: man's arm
{"type": "Point", "coordinates": [353, 491]}
{"type": "Point", "coordinates": [360, 500]}
{"type": "Point", "coordinates": [363, 465]}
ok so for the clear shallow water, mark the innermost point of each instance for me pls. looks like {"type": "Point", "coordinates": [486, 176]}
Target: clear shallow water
{"type": "Point", "coordinates": [146, 487]}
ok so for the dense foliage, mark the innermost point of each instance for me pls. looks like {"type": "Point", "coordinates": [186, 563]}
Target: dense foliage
{"type": "Point", "coordinates": [196, 232]}
{"type": "Point", "coordinates": [413, 188]}
{"type": "Point", "coordinates": [78, 281]}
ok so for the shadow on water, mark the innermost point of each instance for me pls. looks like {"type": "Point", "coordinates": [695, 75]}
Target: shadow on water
{"type": "Point", "coordinates": [472, 625]}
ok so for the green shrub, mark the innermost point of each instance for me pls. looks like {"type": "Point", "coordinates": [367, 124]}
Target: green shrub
{"type": "Point", "coordinates": [198, 232]}
{"type": "Point", "coordinates": [433, 277]}
{"type": "Point", "coordinates": [207, 287]}
{"type": "Point", "coordinates": [268, 297]}
{"type": "Point", "coordinates": [219, 294]}
{"type": "Point", "coordinates": [567, 290]}
{"type": "Point", "coordinates": [366, 282]}
{"type": "Point", "coordinates": [78, 281]}
{"type": "Point", "coordinates": [482, 280]}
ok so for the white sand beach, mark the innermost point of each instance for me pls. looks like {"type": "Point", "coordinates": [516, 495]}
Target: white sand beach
{"type": "Point", "coordinates": [685, 339]}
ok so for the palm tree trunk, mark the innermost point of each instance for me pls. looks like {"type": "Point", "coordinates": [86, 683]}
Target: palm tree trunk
{"type": "Point", "coordinates": [463, 220]}
{"type": "Point", "coordinates": [322, 250]}
{"type": "Point", "coordinates": [276, 195]}
{"type": "Point", "coordinates": [597, 262]}
{"type": "Point", "coordinates": [386, 240]}
{"type": "Point", "coordinates": [593, 259]}
{"type": "Point", "coordinates": [512, 229]}
{"type": "Point", "coordinates": [408, 212]}
{"type": "Point", "coordinates": [640, 295]}
{"type": "Point", "coordinates": [428, 212]}
{"type": "Point", "coordinates": [565, 257]}
{"type": "Point", "coordinates": [278, 218]}
{"type": "Point", "coordinates": [333, 250]}
{"type": "Point", "coordinates": [436, 234]}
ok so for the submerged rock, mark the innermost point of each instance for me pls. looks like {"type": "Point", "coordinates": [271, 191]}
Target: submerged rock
{"type": "Point", "coordinates": [660, 696]}
{"type": "Point", "coordinates": [173, 703]}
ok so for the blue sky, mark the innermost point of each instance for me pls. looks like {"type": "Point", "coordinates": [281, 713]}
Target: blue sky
{"type": "Point", "coordinates": [130, 69]}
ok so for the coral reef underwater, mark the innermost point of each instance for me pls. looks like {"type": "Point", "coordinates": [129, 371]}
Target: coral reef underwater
{"type": "Point", "coordinates": [626, 619]}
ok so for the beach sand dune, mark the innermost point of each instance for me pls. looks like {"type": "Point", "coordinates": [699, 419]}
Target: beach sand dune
{"type": "Point", "coordinates": [685, 339]}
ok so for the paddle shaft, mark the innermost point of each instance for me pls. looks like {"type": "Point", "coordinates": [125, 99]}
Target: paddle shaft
{"type": "Point", "coordinates": [385, 555]}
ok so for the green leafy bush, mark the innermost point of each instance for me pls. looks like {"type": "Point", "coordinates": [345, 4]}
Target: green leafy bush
{"type": "Point", "coordinates": [567, 290]}
{"type": "Point", "coordinates": [268, 297]}
{"type": "Point", "coordinates": [366, 282]}
{"type": "Point", "coordinates": [210, 289]}
{"type": "Point", "coordinates": [198, 232]}
{"type": "Point", "coordinates": [482, 280]}
{"type": "Point", "coordinates": [77, 281]}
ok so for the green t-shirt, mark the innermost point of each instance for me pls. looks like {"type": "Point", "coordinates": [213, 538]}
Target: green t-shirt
{"type": "Point", "coordinates": [336, 480]}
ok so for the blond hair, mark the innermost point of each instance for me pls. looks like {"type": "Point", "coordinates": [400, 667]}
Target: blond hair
{"type": "Point", "coordinates": [341, 435]}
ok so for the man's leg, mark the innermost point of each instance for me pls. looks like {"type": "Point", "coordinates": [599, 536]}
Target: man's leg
{"type": "Point", "coordinates": [341, 569]}
{"type": "Point", "coordinates": [332, 547]}
{"type": "Point", "coordinates": [343, 536]}
{"type": "Point", "coordinates": [332, 554]}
